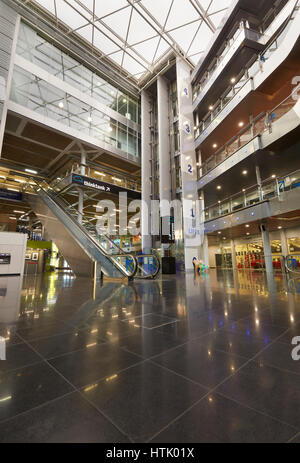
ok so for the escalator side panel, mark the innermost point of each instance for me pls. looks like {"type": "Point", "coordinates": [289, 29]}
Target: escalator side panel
{"type": "Point", "coordinates": [77, 249]}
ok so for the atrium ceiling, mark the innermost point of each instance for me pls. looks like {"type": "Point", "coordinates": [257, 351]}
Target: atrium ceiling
{"type": "Point", "coordinates": [136, 35]}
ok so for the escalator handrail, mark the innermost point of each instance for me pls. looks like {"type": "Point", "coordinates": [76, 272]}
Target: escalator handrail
{"type": "Point", "coordinates": [153, 275]}
{"type": "Point", "coordinates": [112, 258]}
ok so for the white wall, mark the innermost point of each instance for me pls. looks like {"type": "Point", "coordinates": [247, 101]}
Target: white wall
{"type": "Point", "coordinates": [14, 244]}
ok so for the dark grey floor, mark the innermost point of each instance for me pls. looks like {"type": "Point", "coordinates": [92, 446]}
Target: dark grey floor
{"type": "Point", "coordinates": [178, 360]}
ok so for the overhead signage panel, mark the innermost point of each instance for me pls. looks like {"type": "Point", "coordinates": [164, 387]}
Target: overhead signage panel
{"type": "Point", "coordinates": [94, 184]}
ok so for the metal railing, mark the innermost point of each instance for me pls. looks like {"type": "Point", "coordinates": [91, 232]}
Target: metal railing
{"type": "Point", "coordinates": [254, 68]}
{"type": "Point", "coordinates": [142, 266]}
{"type": "Point", "coordinates": [261, 124]}
{"type": "Point", "coordinates": [292, 263]}
{"type": "Point", "coordinates": [269, 189]}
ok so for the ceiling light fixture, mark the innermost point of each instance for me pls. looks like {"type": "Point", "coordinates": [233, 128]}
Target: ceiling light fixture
{"type": "Point", "coordinates": [219, 187]}
{"type": "Point", "coordinates": [241, 124]}
{"type": "Point", "coordinates": [31, 171]}
{"type": "Point", "coordinates": [245, 172]}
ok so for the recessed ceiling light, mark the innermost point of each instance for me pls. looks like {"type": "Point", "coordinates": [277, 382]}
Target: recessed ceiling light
{"type": "Point", "coordinates": [247, 226]}
{"type": "Point", "coordinates": [273, 176]}
{"type": "Point", "coordinates": [219, 233]}
{"type": "Point", "coordinates": [248, 234]}
{"type": "Point", "coordinates": [30, 171]}
{"type": "Point", "coordinates": [279, 228]}
{"type": "Point", "coordinates": [61, 105]}
{"type": "Point", "coordinates": [233, 80]}
{"type": "Point", "coordinates": [211, 107]}
{"type": "Point", "coordinates": [241, 124]}
{"type": "Point", "coordinates": [219, 187]}
{"type": "Point", "coordinates": [215, 145]}
{"type": "Point", "coordinates": [245, 172]}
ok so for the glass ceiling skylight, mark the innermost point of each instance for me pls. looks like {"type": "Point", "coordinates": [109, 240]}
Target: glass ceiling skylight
{"type": "Point", "coordinates": [136, 34]}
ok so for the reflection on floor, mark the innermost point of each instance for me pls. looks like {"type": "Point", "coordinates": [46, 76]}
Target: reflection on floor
{"type": "Point", "coordinates": [176, 360]}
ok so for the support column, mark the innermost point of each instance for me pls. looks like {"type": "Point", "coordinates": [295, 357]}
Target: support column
{"type": "Point", "coordinates": [80, 204]}
{"type": "Point", "coordinates": [146, 170]}
{"type": "Point", "coordinates": [267, 247]}
{"type": "Point", "coordinates": [284, 243]}
{"type": "Point", "coordinates": [165, 184]}
{"type": "Point", "coordinates": [204, 250]}
{"type": "Point", "coordinates": [82, 160]}
{"type": "Point", "coordinates": [10, 24]}
{"type": "Point", "coordinates": [205, 254]}
{"type": "Point", "coordinates": [258, 179]}
{"type": "Point", "coordinates": [80, 190]}
{"type": "Point", "coordinates": [193, 229]}
{"type": "Point", "coordinates": [233, 255]}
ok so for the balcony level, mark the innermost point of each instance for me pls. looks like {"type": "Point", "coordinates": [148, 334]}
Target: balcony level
{"type": "Point", "coordinates": [260, 16]}
{"type": "Point", "coordinates": [268, 128]}
{"type": "Point", "coordinates": [256, 85]}
{"type": "Point", "coordinates": [273, 197]}
{"type": "Point", "coordinates": [243, 45]}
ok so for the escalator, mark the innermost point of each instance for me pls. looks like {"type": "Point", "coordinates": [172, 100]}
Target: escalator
{"type": "Point", "coordinates": [87, 252]}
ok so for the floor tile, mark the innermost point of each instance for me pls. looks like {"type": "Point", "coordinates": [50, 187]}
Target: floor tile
{"type": "Point", "coordinates": [151, 321]}
{"type": "Point", "coordinates": [266, 389]}
{"type": "Point", "coordinates": [280, 355]}
{"type": "Point", "coordinates": [216, 419]}
{"type": "Point", "coordinates": [144, 399]}
{"type": "Point", "coordinates": [18, 356]}
{"type": "Point", "coordinates": [148, 343]}
{"type": "Point", "coordinates": [93, 363]}
{"type": "Point", "coordinates": [199, 363]}
{"type": "Point", "coordinates": [233, 343]}
{"type": "Point", "coordinates": [25, 388]}
{"type": "Point", "coordinates": [55, 346]}
{"type": "Point", "coordinates": [70, 419]}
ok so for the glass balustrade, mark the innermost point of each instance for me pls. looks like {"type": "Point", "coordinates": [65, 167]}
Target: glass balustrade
{"type": "Point", "coordinates": [269, 189]}
{"type": "Point", "coordinates": [262, 123]}
{"type": "Point", "coordinates": [251, 72]}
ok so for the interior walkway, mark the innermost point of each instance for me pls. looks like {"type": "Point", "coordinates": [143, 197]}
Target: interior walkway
{"type": "Point", "coordinates": [176, 360]}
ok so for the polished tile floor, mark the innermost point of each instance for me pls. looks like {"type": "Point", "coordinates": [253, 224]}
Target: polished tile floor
{"type": "Point", "coordinates": [177, 360]}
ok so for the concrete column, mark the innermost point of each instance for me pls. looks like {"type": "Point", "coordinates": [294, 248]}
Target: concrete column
{"type": "Point", "coordinates": [284, 243]}
{"type": "Point", "coordinates": [10, 24]}
{"type": "Point", "coordinates": [80, 190]}
{"type": "Point", "coordinates": [258, 179]}
{"type": "Point", "coordinates": [267, 247]}
{"type": "Point", "coordinates": [233, 255]}
{"type": "Point", "coordinates": [164, 149]}
{"type": "Point", "coordinates": [193, 229]}
{"type": "Point", "coordinates": [204, 247]}
{"type": "Point", "coordinates": [82, 160]}
{"type": "Point", "coordinates": [146, 172]}
{"type": "Point", "coordinates": [80, 204]}
{"type": "Point", "coordinates": [205, 254]}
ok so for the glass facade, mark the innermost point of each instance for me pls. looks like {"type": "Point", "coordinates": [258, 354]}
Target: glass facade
{"type": "Point", "coordinates": [38, 95]}
{"type": "Point", "coordinates": [37, 50]}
